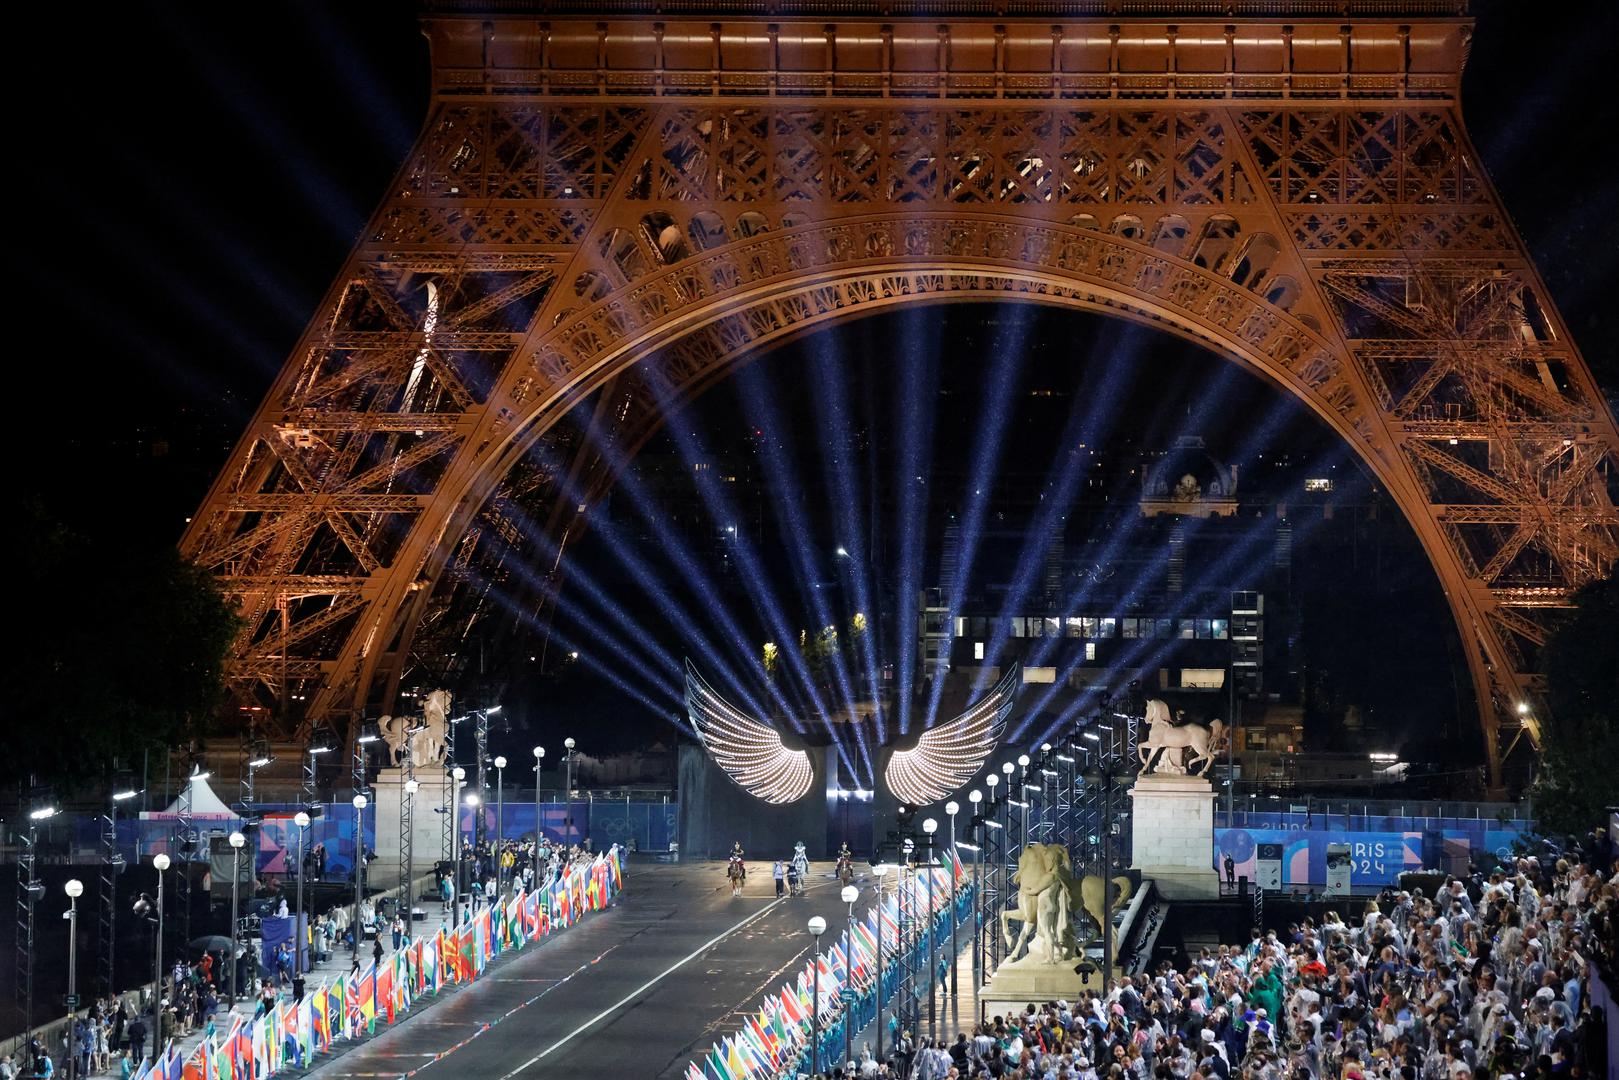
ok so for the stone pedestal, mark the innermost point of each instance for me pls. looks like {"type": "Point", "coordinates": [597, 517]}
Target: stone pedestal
{"type": "Point", "coordinates": [427, 823]}
{"type": "Point", "coordinates": [1026, 982]}
{"type": "Point", "coordinates": [1172, 835]}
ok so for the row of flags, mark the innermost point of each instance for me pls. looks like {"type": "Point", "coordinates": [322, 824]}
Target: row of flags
{"type": "Point", "coordinates": [772, 1042]}
{"type": "Point", "coordinates": [291, 1034]}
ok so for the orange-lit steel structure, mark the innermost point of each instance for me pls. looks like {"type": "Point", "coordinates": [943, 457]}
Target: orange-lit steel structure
{"type": "Point", "coordinates": [603, 201]}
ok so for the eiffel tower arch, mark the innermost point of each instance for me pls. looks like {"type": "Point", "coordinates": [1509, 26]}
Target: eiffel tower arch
{"type": "Point", "coordinates": [617, 212]}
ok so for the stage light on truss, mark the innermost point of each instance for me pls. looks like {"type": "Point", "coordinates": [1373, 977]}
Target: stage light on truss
{"type": "Point", "coordinates": [750, 751]}
{"type": "Point", "coordinates": [951, 754]}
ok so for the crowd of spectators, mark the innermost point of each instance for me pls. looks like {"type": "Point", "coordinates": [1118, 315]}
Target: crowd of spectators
{"type": "Point", "coordinates": [1491, 977]}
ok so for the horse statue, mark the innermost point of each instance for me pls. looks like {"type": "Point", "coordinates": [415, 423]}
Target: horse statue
{"type": "Point", "coordinates": [424, 740]}
{"type": "Point", "coordinates": [1178, 750]}
{"type": "Point", "coordinates": [1095, 901]}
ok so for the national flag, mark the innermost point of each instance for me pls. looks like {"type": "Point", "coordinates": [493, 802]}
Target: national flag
{"type": "Point", "coordinates": [693, 1072]}
{"type": "Point", "coordinates": [888, 912]}
{"type": "Point", "coordinates": [259, 1051]}
{"type": "Point", "coordinates": [758, 1061]}
{"type": "Point", "coordinates": [839, 963]}
{"type": "Point", "coordinates": [865, 942]}
{"type": "Point", "coordinates": [367, 1000]}
{"type": "Point", "coordinates": [560, 908]}
{"type": "Point", "coordinates": [351, 1007]}
{"type": "Point", "coordinates": [531, 916]}
{"type": "Point", "coordinates": [192, 1067]}
{"type": "Point", "coordinates": [427, 970]}
{"type": "Point", "coordinates": [272, 1046]}
{"type": "Point", "coordinates": [787, 1006]}
{"type": "Point", "coordinates": [385, 990]}
{"type": "Point", "coordinates": [516, 922]}
{"type": "Point", "coordinates": [320, 1018]}
{"type": "Point", "coordinates": [733, 1059]}
{"type": "Point", "coordinates": [767, 1038]}
{"type": "Point", "coordinates": [465, 943]}
{"type": "Point", "coordinates": [483, 935]}
{"type": "Point", "coordinates": [716, 1064]}
{"type": "Point", "coordinates": [305, 1031]}
{"type": "Point", "coordinates": [405, 976]}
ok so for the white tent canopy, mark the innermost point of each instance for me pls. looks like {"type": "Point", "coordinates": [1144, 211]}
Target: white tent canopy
{"type": "Point", "coordinates": [204, 802]}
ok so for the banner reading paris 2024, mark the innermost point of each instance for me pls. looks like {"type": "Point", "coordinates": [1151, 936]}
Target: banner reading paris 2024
{"type": "Point", "coordinates": [1375, 858]}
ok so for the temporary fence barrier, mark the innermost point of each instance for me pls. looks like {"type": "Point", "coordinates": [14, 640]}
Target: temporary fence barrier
{"type": "Point", "coordinates": [292, 1034]}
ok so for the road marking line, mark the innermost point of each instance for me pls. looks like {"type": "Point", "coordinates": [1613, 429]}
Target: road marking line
{"type": "Point", "coordinates": [643, 988]}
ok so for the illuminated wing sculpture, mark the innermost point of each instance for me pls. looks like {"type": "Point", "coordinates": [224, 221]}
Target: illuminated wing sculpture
{"type": "Point", "coordinates": [950, 754]}
{"type": "Point", "coordinates": [750, 751]}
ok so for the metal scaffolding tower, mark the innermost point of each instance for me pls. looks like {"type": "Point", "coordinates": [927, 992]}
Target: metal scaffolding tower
{"type": "Point", "coordinates": [480, 733]}
{"type": "Point", "coordinates": [28, 891]}
{"type": "Point", "coordinates": [112, 864]}
{"type": "Point", "coordinates": [185, 852]}
{"type": "Point", "coordinates": [407, 822]}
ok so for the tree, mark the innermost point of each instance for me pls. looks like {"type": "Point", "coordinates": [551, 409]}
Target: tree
{"type": "Point", "coordinates": [1579, 775]}
{"type": "Point", "coordinates": [118, 649]}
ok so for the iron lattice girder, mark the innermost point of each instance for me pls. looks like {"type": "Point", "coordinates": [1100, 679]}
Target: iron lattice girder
{"type": "Point", "coordinates": [583, 237]}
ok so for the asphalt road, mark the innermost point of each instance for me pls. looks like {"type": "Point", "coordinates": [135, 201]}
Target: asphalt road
{"type": "Point", "coordinates": [635, 990]}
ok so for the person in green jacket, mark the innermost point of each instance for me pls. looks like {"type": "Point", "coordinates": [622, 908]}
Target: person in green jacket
{"type": "Point", "coordinates": [1266, 991]}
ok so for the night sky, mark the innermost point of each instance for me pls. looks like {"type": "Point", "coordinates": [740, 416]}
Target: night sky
{"type": "Point", "coordinates": [191, 181]}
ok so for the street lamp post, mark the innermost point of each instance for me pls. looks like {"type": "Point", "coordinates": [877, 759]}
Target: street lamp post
{"type": "Point", "coordinates": [905, 900]}
{"type": "Point", "coordinates": [74, 889]}
{"type": "Point", "coordinates": [160, 862]}
{"type": "Point", "coordinates": [567, 794]}
{"type": "Point", "coordinates": [930, 826]}
{"type": "Point", "coordinates": [237, 842]}
{"type": "Point", "coordinates": [882, 877]}
{"type": "Point", "coordinates": [850, 895]}
{"type": "Point", "coordinates": [359, 867]}
{"type": "Point", "coordinates": [458, 775]}
{"type": "Point", "coordinates": [500, 825]}
{"type": "Point", "coordinates": [539, 763]}
{"type": "Point", "coordinates": [975, 797]}
{"type": "Point", "coordinates": [953, 808]}
{"type": "Point", "coordinates": [474, 803]}
{"type": "Point", "coordinates": [301, 819]}
{"type": "Point", "coordinates": [817, 927]}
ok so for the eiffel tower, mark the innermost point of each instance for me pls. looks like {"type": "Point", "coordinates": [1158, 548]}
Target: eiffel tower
{"type": "Point", "coordinates": [609, 207]}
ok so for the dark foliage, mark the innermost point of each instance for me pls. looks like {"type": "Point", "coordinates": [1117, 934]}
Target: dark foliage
{"type": "Point", "coordinates": [1580, 739]}
{"type": "Point", "coordinates": [119, 648]}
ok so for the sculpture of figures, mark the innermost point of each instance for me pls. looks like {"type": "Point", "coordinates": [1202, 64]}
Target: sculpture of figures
{"type": "Point", "coordinates": [1048, 894]}
{"type": "Point", "coordinates": [1183, 750]}
{"type": "Point", "coordinates": [1045, 880]}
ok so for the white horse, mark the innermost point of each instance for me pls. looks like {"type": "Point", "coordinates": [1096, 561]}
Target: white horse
{"type": "Point", "coordinates": [1196, 744]}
